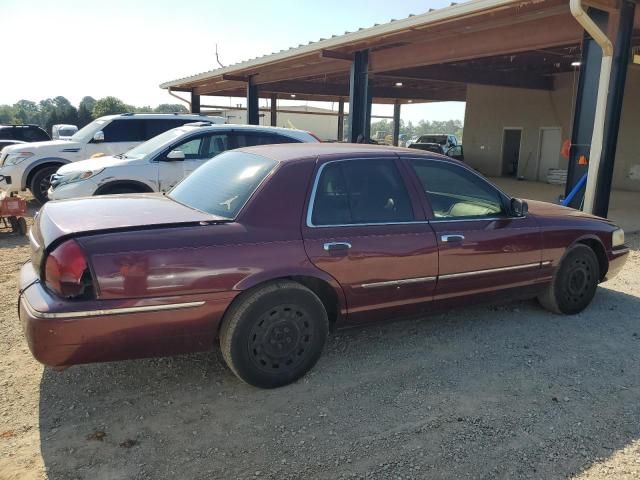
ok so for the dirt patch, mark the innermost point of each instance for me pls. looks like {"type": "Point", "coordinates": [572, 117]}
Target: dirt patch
{"type": "Point", "coordinates": [506, 391]}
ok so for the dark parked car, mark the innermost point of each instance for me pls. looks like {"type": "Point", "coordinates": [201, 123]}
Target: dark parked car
{"type": "Point", "coordinates": [23, 133]}
{"type": "Point", "coordinates": [455, 151]}
{"type": "Point", "coordinates": [265, 248]}
{"type": "Point", "coordinates": [6, 143]}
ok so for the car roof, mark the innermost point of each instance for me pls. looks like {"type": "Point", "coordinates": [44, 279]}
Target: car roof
{"type": "Point", "coordinates": [196, 117]}
{"type": "Point", "coordinates": [296, 151]}
{"type": "Point", "coordinates": [234, 126]}
{"type": "Point", "coordinates": [28, 125]}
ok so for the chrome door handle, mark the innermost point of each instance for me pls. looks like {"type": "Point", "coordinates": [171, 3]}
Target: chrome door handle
{"type": "Point", "coordinates": [452, 238]}
{"type": "Point", "coordinates": [336, 246]}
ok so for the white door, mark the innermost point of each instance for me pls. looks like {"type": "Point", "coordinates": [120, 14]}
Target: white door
{"type": "Point", "coordinates": [550, 145]}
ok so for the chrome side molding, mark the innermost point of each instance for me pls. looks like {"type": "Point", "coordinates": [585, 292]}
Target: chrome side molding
{"type": "Point", "coordinates": [397, 283]}
{"type": "Point", "coordinates": [473, 273]}
{"type": "Point", "coordinates": [111, 311]}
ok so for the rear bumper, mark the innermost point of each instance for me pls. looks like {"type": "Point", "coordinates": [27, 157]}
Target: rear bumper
{"type": "Point", "coordinates": [60, 332]}
{"type": "Point", "coordinates": [617, 259]}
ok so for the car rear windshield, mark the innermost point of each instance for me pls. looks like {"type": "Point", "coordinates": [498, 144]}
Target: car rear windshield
{"type": "Point", "coordinates": [223, 184]}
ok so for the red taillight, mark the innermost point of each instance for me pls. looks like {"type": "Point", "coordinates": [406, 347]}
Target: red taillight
{"type": "Point", "coordinates": [66, 272]}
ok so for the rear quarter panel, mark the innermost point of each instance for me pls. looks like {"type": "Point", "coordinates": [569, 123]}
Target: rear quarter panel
{"type": "Point", "coordinates": [264, 244]}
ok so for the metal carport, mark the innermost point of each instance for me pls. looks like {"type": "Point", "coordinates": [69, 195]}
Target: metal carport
{"type": "Point", "coordinates": [435, 56]}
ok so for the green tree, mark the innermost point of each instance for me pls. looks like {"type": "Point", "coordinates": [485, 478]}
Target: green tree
{"type": "Point", "coordinates": [26, 111]}
{"type": "Point", "coordinates": [85, 111]}
{"type": "Point", "coordinates": [7, 114]}
{"type": "Point", "coordinates": [171, 108]}
{"type": "Point", "coordinates": [66, 112]}
{"type": "Point", "coordinates": [56, 110]}
{"type": "Point", "coordinates": [109, 106]}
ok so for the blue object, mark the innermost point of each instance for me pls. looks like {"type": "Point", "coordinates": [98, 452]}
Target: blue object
{"type": "Point", "coordinates": [578, 186]}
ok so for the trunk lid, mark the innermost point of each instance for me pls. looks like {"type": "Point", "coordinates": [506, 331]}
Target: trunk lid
{"type": "Point", "coordinates": [76, 217]}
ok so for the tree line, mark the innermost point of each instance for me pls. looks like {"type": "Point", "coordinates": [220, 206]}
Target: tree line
{"type": "Point", "coordinates": [423, 127]}
{"type": "Point", "coordinates": [52, 111]}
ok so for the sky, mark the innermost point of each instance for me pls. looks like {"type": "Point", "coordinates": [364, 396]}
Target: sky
{"type": "Point", "coordinates": [126, 48]}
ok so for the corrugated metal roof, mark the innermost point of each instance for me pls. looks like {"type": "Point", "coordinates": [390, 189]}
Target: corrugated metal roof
{"type": "Point", "coordinates": [412, 21]}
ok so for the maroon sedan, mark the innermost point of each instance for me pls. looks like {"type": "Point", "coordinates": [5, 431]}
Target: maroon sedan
{"type": "Point", "coordinates": [266, 248]}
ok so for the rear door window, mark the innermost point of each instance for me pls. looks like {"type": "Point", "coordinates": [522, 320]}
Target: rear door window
{"type": "Point", "coordinates": [355, 192]}
{"type": "Point", "coordinates": [250, 139]}
{"type": "Point", "coordinates": [122, 130]}
{"type": "Point", "coordinates": [154, 127]}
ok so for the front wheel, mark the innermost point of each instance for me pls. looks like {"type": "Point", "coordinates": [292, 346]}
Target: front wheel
{"type": "Point", "coordinates": [574, 283]}
{"type": "Point", "coordinates": [40, 183]}
{"type": "Point", "coordinates": [273, 335]}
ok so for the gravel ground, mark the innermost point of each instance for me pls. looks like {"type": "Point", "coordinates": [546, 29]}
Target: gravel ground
{"type": "Point", "coordinates": [505, 391]}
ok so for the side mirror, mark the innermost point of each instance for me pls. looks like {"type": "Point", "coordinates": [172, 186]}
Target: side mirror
{"type": "Point", "coordinates": [98, 136]}
{"type": "Point", "coordinates": [176, 155]}
{"type": "Point", "coordinates": [519, 208]}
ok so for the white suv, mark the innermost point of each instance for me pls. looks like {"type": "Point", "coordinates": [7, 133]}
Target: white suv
{"type": "Point", "coordinates": [160, 163]}
{"type": "Point", "coordinates": [31, 166]}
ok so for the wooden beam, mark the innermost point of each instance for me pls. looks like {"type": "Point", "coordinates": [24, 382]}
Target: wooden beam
{"type": "Point", "coordinates": [235, 78]}
{"type": "Point", "coordinates": [606, 5]}
{"type": "Point", "coordinates": [324, 67]}
{"type": "Point", "coordinates": [461, 74]}
{"type": "Point", "coordinates": [533, 35]}
{"type": "Point", "coordinates": [336, 55]}
{"type": "Point", "coordinates": [457, 93]}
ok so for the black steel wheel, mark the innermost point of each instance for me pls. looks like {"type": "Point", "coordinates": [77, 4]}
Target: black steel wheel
{"type": "Point", "coordinates": [274, 334]}
{"type": "Point", "coordinates": [574, 283]}
{"type": "Point", "coordinates": [40, 183]}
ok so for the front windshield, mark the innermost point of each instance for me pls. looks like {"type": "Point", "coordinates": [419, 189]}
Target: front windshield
{"type": "Point", "coordinates": [223, 184]}
{"type": "Point", "coordinates": [440, 139]}
{"type": "Point", "coordinates": [150, 146]}
{"type": "Point", "coordinates": [86, 133]}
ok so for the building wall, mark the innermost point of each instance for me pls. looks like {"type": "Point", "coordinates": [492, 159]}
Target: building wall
{"type": "Point", "coordinates": [324, 127]}
{"type": "Point", "coordinates": [490, 109]}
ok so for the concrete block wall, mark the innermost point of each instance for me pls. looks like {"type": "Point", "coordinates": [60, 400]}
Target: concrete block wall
{"type": "Point", "coordinates": [491, 109]}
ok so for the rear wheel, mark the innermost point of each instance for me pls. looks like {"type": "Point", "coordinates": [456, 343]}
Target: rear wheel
{"type": "Point", "coordinates": [40, 183]}
{"type": "Point", "coordinates": [273, 335]}
{"type": "Point", "coordinates": [574, 283]}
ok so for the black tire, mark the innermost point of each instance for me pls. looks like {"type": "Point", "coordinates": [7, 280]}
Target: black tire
{"type": "Point", "coordinates": [574, 283]}
{"type": "Point", "coordinates": [13, 222]}
{"type": "Point", "coordinates": [40, 183]}
{"type": "Point", "coordinates": [22, 226]}
{"type": "Point", "coordinates": [274, 334]}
